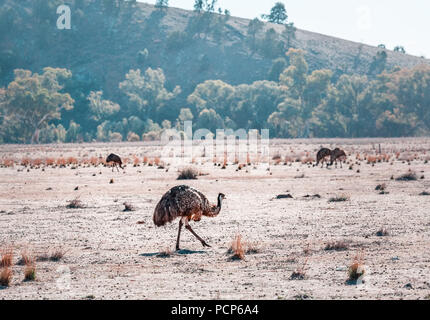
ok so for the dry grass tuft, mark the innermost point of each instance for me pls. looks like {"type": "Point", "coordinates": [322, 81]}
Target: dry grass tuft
{"type": "Point", "coordinates": [30, 268]}
{"type": "Point", "coordinates": [128, 207]}
{"type": "Point", "coordinates": [382, 232]}
{"type": "Point", "coordinates": [75, 204]}
{"type": "Point", "coordinates": [57, 254]}
{"type": "Point", "coordinates": [6, 258]}
{"type": "Point", "coordinates": [237, 249]}
{"type": "Point", "coordinates": [252, 248]}
{"type": "Point", "coordinates": [6, 275]}
{"type": "Point", "coordinates": [336, 246]}
{"type": "Point", "coordinates": [409, 176]}
{"type": "Point", "coordinates": [340, 198]}
{"type": "Point", "coordinates": [381, 187]}
{"type": "Point", "coordinates": [188, 174]}
{"type": "Point", "coordinates": [356, 270]}
{"type": "Point", "coordinates": [300, 273]}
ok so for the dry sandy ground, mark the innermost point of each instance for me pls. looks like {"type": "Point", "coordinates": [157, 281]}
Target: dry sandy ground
{"type": "Point", "coordinates": [110, 256]}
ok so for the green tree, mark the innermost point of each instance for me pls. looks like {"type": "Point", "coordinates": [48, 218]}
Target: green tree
{"type": "Point", "coordinates": [210, 120]}
{"type": "Point", "coordinates": [31, 101]}
{"type": "Point", "coordinates": [255, 26]}
{"type": "Point", "coordinates": [399, 49]}
{"type": "Point", "coordinates": [212, 94]}
{"type": "Point", "coordinates": [100, 108]}
{"type": "Point", "coordinates": [198, 5]}
{"type": "Point", "coordinates": [289, 33]}
{"type": "Point", "coordinates": [146, 93]}
{"type": "Point", "coordinates": [278, 66]}
{"type": "Point", "coordinates": [278, 14]}
{"type": "Point", "coordinates": [160, 4]}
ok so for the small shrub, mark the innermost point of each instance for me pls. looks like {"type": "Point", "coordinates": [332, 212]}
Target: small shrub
{"type": "Point", "coordinates": [410, 176]}
{"type": "Point", "coordinates": [382, 232]}
{"type": "Point", "coordinates": [300, 273]}
{"type": "Point", "coordinates": [57, 254]}
{"type": "Point", "coordinates": [6, 258]}
{"type": "Point", "coordinates": [188, 174]}
{"type": "Point", "coordinates": [336, 246]}
{"type": "Point", "coordinates": [30, 272]}
{"type": "Point", "coordinates": [252, 248]}
{"type": "Point", "coordinates": [381, 187]}
{"type": "Point", "coordinates": [6, 275]}
{"type": "Point", "coordinates": [75, 204]}
{"type": "Point", "coordinates": [237, 249]}
{"type": "Point", "coordinates": [341, 198]}
{"type": "Point", "coordinates": [356, 270]}
{"type": "Point", "coordinates": [128, 207]}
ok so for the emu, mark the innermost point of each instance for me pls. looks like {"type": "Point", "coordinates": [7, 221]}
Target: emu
{"type": "Point", "coordinates": [188, 204]}
{"type": "Point", "coordinates": [116, 161]}
{"type": "Point", "coordinates": [337, 154]}
{"type": "Point", "coordinates": [322, 155]}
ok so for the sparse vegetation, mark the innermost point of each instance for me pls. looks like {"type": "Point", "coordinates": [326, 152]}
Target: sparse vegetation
{"type": "Point", "coordinates": [75, 204]}
{"type": "Point", "coordinates": [188, 174]}
{"type": "Point", "coordinates": [236, 249]}
{"type": "Point", "coordinates": [339, 198]}
{"type": "Point", "coordinates": [409, 176]}
{"type": "Point", "coordinates": [300, 273]}
{"type": "Point", "coordinates": [6, 258]}
{"type": "Point", "coordinates": [356, 270]}
{"type": "Point", "coordinates": [55, 255]}
{"type": "Point", "coordinates": [382, 232]}
{"type": "Point", "coordinates": [128, 207]}
{"type": "Point", "coordinates": [6, 275]}
{"type": "Point", "coordinates": [336, 246]}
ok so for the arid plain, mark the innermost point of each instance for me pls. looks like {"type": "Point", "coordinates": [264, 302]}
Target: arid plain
{"type": "Point", "coordinates": [298, 247]}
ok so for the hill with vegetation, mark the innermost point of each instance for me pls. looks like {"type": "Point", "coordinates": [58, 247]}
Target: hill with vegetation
{"type": "Point", "coordinates": [128, 71]}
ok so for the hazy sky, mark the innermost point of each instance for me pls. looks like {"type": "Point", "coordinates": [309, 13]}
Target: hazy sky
{"type": "Point", "coordinates": [391, 22]}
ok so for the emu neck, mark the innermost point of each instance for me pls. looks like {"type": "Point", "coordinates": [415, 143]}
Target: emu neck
{"type": "Point", "coordinates": [215, 210]}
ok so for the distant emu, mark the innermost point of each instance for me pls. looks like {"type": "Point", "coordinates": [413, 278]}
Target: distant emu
{"type": "Point", "coordinates": [322, 155]}
{"type": "Point", "coordinates": [337, 154]}
{"type": "Point", "coordinates": [187, 204]}
{"type": "Point", "coordinates": [116, 161]}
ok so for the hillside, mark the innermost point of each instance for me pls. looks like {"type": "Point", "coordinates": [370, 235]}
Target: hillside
{"type": "Point", "coordinates": [109, 38]}
{"type": "Point", "coordinates": [101, 48]}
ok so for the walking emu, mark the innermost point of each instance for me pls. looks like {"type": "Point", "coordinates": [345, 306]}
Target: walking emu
{"type": "Point", "coordinates": [337, 154]}
{"type": "Point", "coordinates": [116, 161]}
{"type": "Point", "coordinates": [322, 155]}
{"type": "Point", "coordinates": [187, 204]}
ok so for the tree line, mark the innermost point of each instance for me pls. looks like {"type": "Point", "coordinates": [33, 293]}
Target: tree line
{"type": "Point", "coordinates": [299, 104]}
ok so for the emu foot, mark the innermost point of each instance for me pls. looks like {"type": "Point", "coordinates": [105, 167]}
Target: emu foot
{"type": "Point", "coordinates": [205, 244]}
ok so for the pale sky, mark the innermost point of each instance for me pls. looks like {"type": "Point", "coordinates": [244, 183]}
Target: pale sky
{"type": "Point", "coordinates": [391, 22]}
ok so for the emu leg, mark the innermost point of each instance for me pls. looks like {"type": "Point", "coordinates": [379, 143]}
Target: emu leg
{"type": "Point", "coordinates": [116, 166]}
{"type": "Point", "coordinates": [179, 235]}
{"type": "Point", "coordinates": [188, 227]}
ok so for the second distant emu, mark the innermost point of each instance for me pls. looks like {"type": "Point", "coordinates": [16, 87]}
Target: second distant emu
{"type": "Point", "coordinates": [322, 155]}
{"type": "Point", "coordinates": [116, 161]}
{"type": "Point", "coordinates": [337, 154]}
{"type": "Point", "coordinates": [333, 154]}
